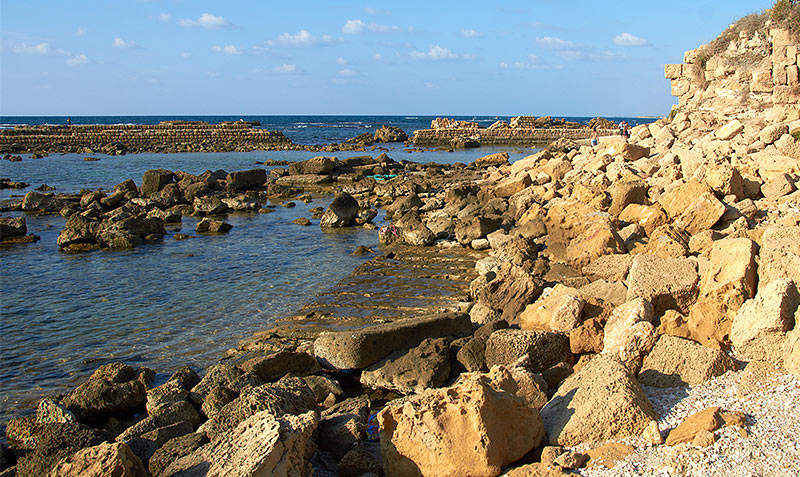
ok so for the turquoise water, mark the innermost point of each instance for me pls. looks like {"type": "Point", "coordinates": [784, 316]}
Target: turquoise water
{"type": "Point", "coordinates": [166, 304]}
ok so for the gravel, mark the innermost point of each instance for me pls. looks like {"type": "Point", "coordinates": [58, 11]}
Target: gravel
{"type": "Point", "coordinates": [772, 445]}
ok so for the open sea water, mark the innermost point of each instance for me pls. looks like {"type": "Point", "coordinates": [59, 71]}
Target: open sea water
{"type": "Point", "coordinates": [171, 303]}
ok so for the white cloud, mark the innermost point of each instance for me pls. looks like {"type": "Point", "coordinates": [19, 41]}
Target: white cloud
{"type": "Point", "coordinates": [120, 43]}
{"type": "Point", "coordinates": [353, 27]}
{"type": "Point", "coordinates": [80, 31]}
{"type": "Point", "coordinates": [471, 33]}
{"type": "Point", "coordinates": [347, 72]}
{"type": "Point", "coordinates": [286, 68]}
{"type": "Point", "coordinates": [576, 51]}
{"type": "Point", "coordinates": [377, 57]}
{"type": "Point", "coordinates": [554, 43]}
{"type": "Point", "coordinates": [227, 50]}
{"type": "Point", "coordinates": [186, 54]}
{"type": "Point", "coordinates": [25, 49]}
{"type": "Point", "coordinates": [341, 61]}
{"type": "Point", "coordinates": [626, 39]}
{"type": "Point", "coordinates": [532, 63]}
{"type": "Point", "coordinates": [305, 38]}
{"type": "Point", "coordinates": [437, 53]}
{"type": "Point", "coordinates": [77, 60]}
{"type": "Point", "coordinates": [164, 17]}
{"type": "Point", "coordinates": [207, 21]}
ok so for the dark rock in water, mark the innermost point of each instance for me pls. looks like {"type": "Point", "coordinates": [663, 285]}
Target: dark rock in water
{"type": "Point", "coordinates": [12, 227]}
{"type": "Point", "coordinates": [154, 179]}
{"type": "Point", "coordinates": [290, 395]}
{"type": "Point", "coordinates": [545, 349]}
{"type": "Point", "coordinates": [360, 348]}
{"type": "Point", "coordinates": [174, 449]}
{"type": "Point", "coordinates": [463, 142]}
{"type": "Point", "coordinates": [114, 389]}
{"type": "Point", "coordinates": [320, 165]}
{"type": "Point", "coordinates": [341, 213]}
{"type": "Point", "coordinates": [6, 183]}
{"type": "Point", "coordinates": [390, 134]}
{"type": "Point", "coordinates": [38, 202]}
{"type": "Point", "coordinates": [91, 159]}
{"type": "Point", "coordinates": [45, 187]}
{"type": "Point", "coordinates": [180, 236]}
{"type": "Point", "coordinates": [212, 226]}
{"type": "Point", "coordinates": [412, 371]}
{"type": "Point", "coordinates": [209, 205]}
{"type": "Point", "coordinates": [12, 158]}
{"type": "Point", "coordinates": [246, 180]}
{"type": "Point", "coordinates": [362, 250]}
{"type": "Point", "coordinates": [274, 366]}
{"type": "Point", "coordinates": [288, 204]}
{"type": "Point", "coordinates": [363, 459]}
{"type": "Point", "coordinates": [56, 441]}
{"type": "Point", "coordinates": [301, 221]}
{"type": "Point", "coordinates": [363, 138]}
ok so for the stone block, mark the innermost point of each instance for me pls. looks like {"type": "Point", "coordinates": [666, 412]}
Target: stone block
{"type": "Point", "coordinates": [672, 72]}
{"type": "Point", "coordinates": [675, 362]}
{"type": "Point", "coordinates": [667, 283]}
{"type": "Point", "coordinates": [759, 328]}
{"type": "Point", "coordinates": [730, 130]}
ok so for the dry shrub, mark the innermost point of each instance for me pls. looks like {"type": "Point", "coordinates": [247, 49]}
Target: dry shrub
{"type": "Point", "coordinates": [786, 14]}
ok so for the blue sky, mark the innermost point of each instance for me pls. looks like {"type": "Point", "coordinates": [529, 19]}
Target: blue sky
{"type": "Point", "coordinates": [143, 57]}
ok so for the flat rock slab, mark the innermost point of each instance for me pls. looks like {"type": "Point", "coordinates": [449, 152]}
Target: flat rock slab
{"type": "Point", "coordinates": [358, 349]}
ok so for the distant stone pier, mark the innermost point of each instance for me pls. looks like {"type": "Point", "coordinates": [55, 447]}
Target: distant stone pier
{"type": "Point", "coordinates": [167, 136]}
{"type": "Point", "coordinates": [522, 130]}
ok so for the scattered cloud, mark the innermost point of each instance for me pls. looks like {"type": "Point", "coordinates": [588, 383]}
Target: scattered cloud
{"type": "Point", "coordinates": [554, 43]}
{"type": "Point", "coordinates": [348, 73]}
{"type": "Point", "coordinates": [120, 43]}
{"type": "Point", "coordinates": [206, 20]}
{"type": "Point", "coordinates": [471, 34]}
{"type": "Point", "coordinates": [286, 68]}
{"type": "Point", "coordinates": [377, 57]}
{"type": "Point", "coordinates": [437, 53]}
{"type": "Point", "coordinates": [164, 17]}
{"type": "Point", "coordinates": [80, 31]}
{"type": "Point", "coordinates": [354, 27]}
{"type": "Point", "coordinates": [341, 61]}
{"type": "Point", "coordinates": [226, 50]}
{"type": "Point", "coordinates": [626, 39]}
{"type": "Point", "coordinates": [186, 54]}
{"type": "Point", "coordinates": [77, 60]}
{"type": "Point", "coordinates": [533, 62]}
{"type": "Point", "coordinates": [572, 51]}
{"type": "Point", "coordinates": [305, 38]}
{"type": "Point", "coordinates": [38, 49]}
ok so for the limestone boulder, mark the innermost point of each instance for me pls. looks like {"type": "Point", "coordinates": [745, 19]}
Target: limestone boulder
{"type": "Point", "coordinates": [675, 362]}
{"type": "Point", "coordinates": [12, 227]}
{"type": "Point", "coordinates": [319, 165]}
{"type": "Point", "coordinates": [701, 214]}
{"type": "Point", "coordinates": [633, 152]}
{"type": "Point", "coordinates": [791, 350]}
{"type": "Point", "coordinates": [181, 413]}
{"type": "Point", "coordinates": [37, 202]}
{"type": "Point", "coordinates": [102, 460]}
{"type": "Point", "coordinates": [667, 283]}
{"type": "Point", "coordinates": [274, 366]}
{"type": "Point", "coordinates": [413, 230]}
{"type": "Point", "coordinates": [725, 180]}
{"type": "Point", "coordinates": [223, 375]}
{"type": "Point", "coordinates": [472, 428]}
{"type": "Point", "coordinates": [780, 254]}
{"type": "Point", "coordinates": [113, 389]}
{"type": "Point", "coordinates": [475, 228]}
{"type": "Point", "coordinates": [609, 267]}
{"type": "Point", "coordinates": [544, 348]}
{"type": "Point", "coordinates": [154, 180]}
{"type": "Point", "coordinates": [472, 356]}
{"type": "Point", "coordinates": [510, 291]}
{"type": "Point", "coordinates": [602, 401]}
{"type": "Point", "coordinates": [708, 420]}
{"type": "Point", "coordinates": [729, 130]}
{"type": "Point", "coordinates": [390, 134]}
{"type": "Point", "coordinates": [497, 159]}
{"type": "Point", "coordinates": [588, 337]}
{"type": "Point", "coordinates": [559, 311]}
{"type": "Point", "coordinates": [246, 180]}
{"type": "Point", "coordinates": [759, 329]}
{"type": "Point", "coordinates": [212, 226]}
{"type": "Point", "coordinates": [341, 213]}
{"type": "Point", "coordinates": [649, 217]}
{"type": "Point", "coordinates": [629, 333]}
{"type": "Point", "coordinates": [424, 367]}
{"type": "Point", "coordinates": [173, 450]}
{"type": "Point", "coordinates": [680, 198]}
{"type": "Point", "coordinates": [778, 186]}
{"type": "Point", "coordinates": [601, 238]}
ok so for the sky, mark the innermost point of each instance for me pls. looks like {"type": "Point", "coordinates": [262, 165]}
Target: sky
{"type": "Point", "coordinates": [240, 57]}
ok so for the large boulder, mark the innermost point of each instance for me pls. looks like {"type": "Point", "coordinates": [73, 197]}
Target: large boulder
{"type": "Point", "coordinates": [629, 333]}
{"type": "Point", "coordinates": [276, 365]}
{"type": "Point", "coordinates": [358, 349]}
{"type": "Point", "coordinates": [390, 134]}
{"type": "Point", "coordinates": [559, 311]}
{"type": "Point", "coordinates": [759, 328]}
{"type": "Point", "coordinates": [675, 362]}
{"type": "Point", "coordinates": [112, 390]}
{"type": "Point", "coordinates": [475, 427]}
{"type": "Point", "coordinates": [424, 367]}
{"type": "Point", "coordinates": [341, 213]}
{"type": "Point", "coordinates": [245, 180]}
{"type": "Point", "coordinates": [510, 291]}
{"type": "Point", "coordinates": [12, 227]}
{"type": "Point", "coordinates": [173, 450]}
{"type": "Point", "coordinates": [475, 228]}
{"type": "Point", "coordinates": [413, 230]}
{"type": "Point", "coordinates": [154, 180]}
{"type": "Point", "coordinates": [103, 460]}
{"type": "Point", "coordinates": [320, 165]}
{"type": "Point", "coordinates": [472, 355]}
{"type": "Point", "coordinates": [38, 202]}
{"type": "Point", "coordinates": [780, 254]}
{"type": "Point", "coordinates": [545, 349]}
{"type": "Point", "coordinates": [602, 401]}
{"type": "Point", "coordinates": [600, 238]}
{"type": "Point", "coordinates": [667, 283]}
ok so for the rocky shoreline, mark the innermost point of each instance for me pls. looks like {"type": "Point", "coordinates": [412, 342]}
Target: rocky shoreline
{"type": "Point", "coordinates": [632, 308]}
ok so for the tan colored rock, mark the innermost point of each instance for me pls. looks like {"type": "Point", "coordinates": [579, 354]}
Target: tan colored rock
{"type": "Point", "coordinates": [729, 280]}
{"type": "Point", "coordinates": [771, 164]}
{"type": "Point", "coordinates": [511, 185]}
{"type": "Point", "coordinates": [649, 217]}
{"type": "Point", "coordinates": [701, 214]}
{"type": "Point", "coordinates": [675, 362]}
{"type": "Point", "coordinates": [653, 434]}
{"type": "Point", "coordinates": [703, 439]}
{"type": "Point", "coordinates": [758, 376]}
{"type": "Point", "coordinates": [677, 200]}
{"type": "Point", "coordinates": [627, 192]}
{"type": "Point", "coordinates": [674, 324]}
{"type": "Point", "coordinates": [587, 338]}
{"type": "Point", "coordinates": [667, 283]}
{"type": "Point", "coordinates": [629, 333]}
{"type": "Point", "coordinates": [730, 130]}
{"type": "Point", "coordinates": [672, 72]}
{"type": "Point", "coordinates": [778, 186]}
{"type": "Point", "coordinates": [472, 428]}
{"type": "Point", "coordinates": [759, 328]}
{"type": "Point", "coordinates": [708, 420]}
{"type": "Point", "coordinates": [614, 293]}
{"type": "Point", "coordinates": [601, 401]}
{"type": "Point", "coordinates": [104, 460]}
{"type": "Point", "coordinates": [497, 159]}
{"type": "Point", "coordinates": [791, 350]}
{"type": "Point", "coordinates": [612, 267]}
{"type": "Point", "coordinates": [632, 152]}
{"type": "Point", "coordinates": [560, 311]}
{"type": "Point", "coordinates": [780, 254]}
{"type": "Point", "coordinates": [772, 133]}
{"type": "Point", "coordinates": [545, 349]}
{"type": "Point", "coordinates": [725, 180]}
{"type": "Point", "coordinates": [668, 241]}
{"type": "Point", "coordinates": [537, 469]}
{"type": "Point", "coordinates": [608, 455]}
{"type": "Point", "coordinates": [601, 238]}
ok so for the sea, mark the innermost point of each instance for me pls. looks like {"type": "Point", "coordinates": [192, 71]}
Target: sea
{"type": "Point", "coordinates": [175, 302]}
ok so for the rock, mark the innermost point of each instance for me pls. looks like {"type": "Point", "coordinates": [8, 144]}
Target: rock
{"type": "Point", "coordinates": [506, 346]}
{"type": "Point", "coordinates": [390, 134]}
{"type": "Point", "coordinates": [701, 214]}
{"type": "Point", "coordinates": [725, 180]}
{"type": "Point", "coordinates": [629, 333]}
{"type": "Point", "coordinates": [216, 400]}
{"type": "Point", "coordinates": [472, 356]}
{"type": "Point", "coordinates": [102, 460]}
{"type": "Point", "coordinates": [154, 180]}
{"type": "Point", "coordinates": [668, 241]}
{"type": "Point", "coordinates": [497, 159]}
{"type": "Point", "coordinates": [708, 420]}
{"type": "Point", "coordinates": [55, 442]}
{"type": "Point", "coordinates": [38, 202]}
{"type": "Point", "coordinates": [290, 395]}
{"type": "Point", "coordinates": [633, 152]}
{"type": "Point", "coordinates": [602, 401]}
{"type": "Point", "coordinates": [677, 200]}
{"type": "Point", "coordinates": [759, 328]}
{"type": "Point", "coordinates": [322, 386]}
{"type": "Point", "coordinates": [472, 428]}
{"type": "Point", "coordinates": [510, 291]}
{"type": "Point", "coordinates": [609, 267]}
{"type": "Point", "coordinates": [246, 180]}
{"type": "Point", "coordinates": [608, 455]}
{"type": "Point", "coordinates": [779, 256]}
{"type": "Point", "coordinates": [49, 411]}
{"type": "Point", "coordinates": [511, 185]}
{"type": "Point", "coordinates": [653, 434]}
{"type": "Point", "coordinates": [222, 375]}
{"type": "Point", "coordinates": [263, 444]}
{"type": "Point", "coordinates": [424, 367]}
{"type": "Point", "coordinates": [729, 130]}
{"type": "Point", "coordinates": [358, 349]}
{"type": "Point", "coordinates": [649, 217]}
{"type": "Point", "coordinates": [212, 226]}
{"type": "Point", "coordinates": [791, 351]}
{"type": "Point", "coordinates": [588, 337]}
{"type": "Point", "coordinates": [772, 133]}
{"type": "Point", "coordinates": [12, 227]}
{"type": "Point", "coordinates": [175, 413]}
{"type": "Point", "coordinates": [601, 238]}
{"type": "Point", "coordinates": [341, 432]}
{"type": "Point", "coordinates": [173, 450]}
{"type": "Point", "coordinates": [145, 445]}
{"type": "Point", "coordinates": [320, 165]}
{"type": "Point", "coordinates": [676, 362]}
{"type": "Point", "coordinates": [475, 228]}
{"type": "Point", "coordinates": [276, 365]}
{"type": "Point", "coordinates": [667, 283]}
{"type": "Point", "coordinates": [614, 293]}
{"type": "Point", "coordinates": [341, 213]}
{"type": "Point", "coordinates": [209, 205]}
{"type": "Point", "coordinates": [113, 389]}
{"type": "Point", "coordinates": [413, 230]}
{"type": "Point", "coordinates": [364, 458]}
{"type": "Point", "coordinates": [729, 281]}
{"type": "Point", "coordinates": [560, 311]}
{"type": "Point", "coordinates": [778, 186]}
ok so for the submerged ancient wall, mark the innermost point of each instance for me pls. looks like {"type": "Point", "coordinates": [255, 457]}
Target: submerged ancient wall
{"type": "Point", "coordinates": [501, 136]}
